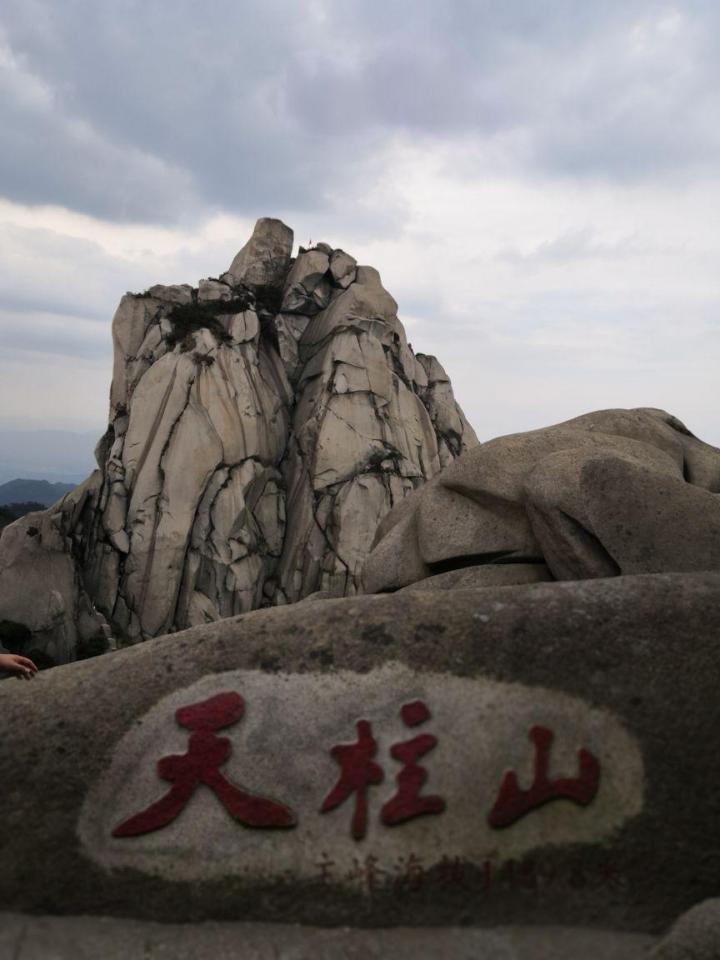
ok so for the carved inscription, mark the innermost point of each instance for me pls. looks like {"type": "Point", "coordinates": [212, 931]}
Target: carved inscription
{"type": "Point", "coordinates": [408, 802]}
{"type": "Point", "coordinates": [513, 803]}
{"type": "Point", "coordinates": [201, 765]}
{"type": "Point", "coordinates": [390, 780]}
{"type": "Point", "coordinates": [359, 771]}
{"type": "Point", "coordinates": [411, 874]}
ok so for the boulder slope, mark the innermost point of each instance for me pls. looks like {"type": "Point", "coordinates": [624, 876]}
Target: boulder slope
{"type": "Point", "coordinates": [610, 493]}
{"type": "Point", "coordinates": [622, 672]}
{"type": "Point", "coordinates": [261, 425]}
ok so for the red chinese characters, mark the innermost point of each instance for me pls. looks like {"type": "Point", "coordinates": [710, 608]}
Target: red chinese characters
{"type": "Point", "coordinates": [407, 802]}
{"type": "Point", "coordinates": [201, 765]}
{"type": "Point", "coordinates": [358, 771]}
{"type": "Point", "coordinates": [513, 803]}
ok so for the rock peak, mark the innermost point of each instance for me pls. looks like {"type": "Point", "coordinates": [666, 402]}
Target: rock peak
{"type": "Point", "coordinates": [261, 426]}
{"type": "Point", "coordinates": [265, 258]}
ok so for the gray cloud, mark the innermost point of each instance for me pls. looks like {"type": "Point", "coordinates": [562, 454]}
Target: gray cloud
{"type": "Point", "coordinates": [147, 110]}
{"type": "Point", "coordinates": [41, 270]}
{"type": "Point", "coordinates": [34, 333]}
{"type": "Point", "coordinates": [532, 178]}
{"type": "Point", "coordinates": [579, 244]}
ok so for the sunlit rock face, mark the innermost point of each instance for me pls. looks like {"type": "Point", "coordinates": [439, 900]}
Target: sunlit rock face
{"type": "Point", "coordinates": [261, 425]}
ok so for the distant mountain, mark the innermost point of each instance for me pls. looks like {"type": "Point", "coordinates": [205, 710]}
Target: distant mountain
{"type": "Point", "coordinates": [36, 491]}
{"type": "Point", "coordinates": [56, 455]}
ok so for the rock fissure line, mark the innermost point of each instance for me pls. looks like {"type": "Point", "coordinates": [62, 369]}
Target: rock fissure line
{"type": "Point", "coordinates": [140, 463]}
{"type": "Point", "coordinates": [307, 417]}
{"type": "Point", "coordinates": [330, 545]}
{"type": "Point", "coordinates": [158, 513]}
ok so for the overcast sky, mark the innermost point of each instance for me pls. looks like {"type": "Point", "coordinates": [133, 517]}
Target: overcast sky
{"type": "Point", "coordinates": [536, 180]}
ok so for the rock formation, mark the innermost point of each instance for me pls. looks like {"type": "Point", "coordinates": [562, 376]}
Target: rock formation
{"type": "Point", "coordinates": [621, 670]}
{"type": "Point", "coordinates": [609, 493]}
{"type": "Point", "coordinates": [508, 755]}
{"type": "Point", "coordinates": [261, 425]}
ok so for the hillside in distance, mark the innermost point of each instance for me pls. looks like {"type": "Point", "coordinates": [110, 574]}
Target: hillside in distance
{"type": "Point", "coordinates": [36, 491]}
{"type": "Point", "coordinates": [59, 456]}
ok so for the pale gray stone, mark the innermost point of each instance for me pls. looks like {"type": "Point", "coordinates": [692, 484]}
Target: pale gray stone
{"type": "Point", "coordinates": [115, 512]}
{"type": "Point", "coordinates": [244, 327]}
{"type": "Point", "coordinates": [290, 328]}
{"type": "Point", "coordinates": [120, 540]}
{"type": "Point", "coordinates": [13, 929]}
{"type": "Point", "coordinates": [212, 291]}
{"type": "Point", "coordinates": [395, 561]}
{"type": "Point", "coordinates": [694, 936]}
{"type": "Point", "coordinates": [40, 586]}
{"type": "Point", "coordinates": [24, 937]}
{"type": "Point", "coordinates": [363, 438]}
{"type": "Point", "coordinates": [342, 268]}
{"type": "Point", "coordinates": [249, 456]}
{"type": "Point", "coordinates": [447, 418]}
{"type": "Point", "coordinates": [176, 293]}
{"type": "Point", "coordinates": [602, 664]}
{"type": "Point", "coordinates": [305, 290]}
{"type": "Point", "coordinates": [611, 493]}
{"type": "Point", "coordinates": [265, 258]}
{"type": "Point", "coordinates": [132, 318]}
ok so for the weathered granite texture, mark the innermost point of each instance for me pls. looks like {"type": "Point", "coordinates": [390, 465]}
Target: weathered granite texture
{"type": "Point", "coordinates": [694, 936]}
{"type": "Point", "coordinates": [87, 938]}
{"type": "Point", "coordinates": [610, 493]}
{"type": "Point", "coordinates": [261, 425]}
{"type": "Point", "coordinates": [623, 667]}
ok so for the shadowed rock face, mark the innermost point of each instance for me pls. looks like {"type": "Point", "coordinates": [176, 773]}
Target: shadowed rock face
{"type": "Point", "coordinates": [613, 492]}
{"type": "Point", "coordinates": [261, 425]}
{"type": "Point", "coordinates": [624, 668]}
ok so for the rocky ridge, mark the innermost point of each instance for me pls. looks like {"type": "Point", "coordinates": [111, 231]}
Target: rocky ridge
{"type": "Point", "coordinates": [261, 425]}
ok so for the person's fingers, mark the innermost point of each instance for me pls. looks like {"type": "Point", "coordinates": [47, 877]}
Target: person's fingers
{"type": "Point", "coordinates": [21, 667]}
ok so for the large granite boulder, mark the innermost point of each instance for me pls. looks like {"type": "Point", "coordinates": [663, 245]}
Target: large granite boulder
{"type": "Point", "coordinates": [694, 936]}
{"type": "Point", "coordinates": [261, 425]}
{"type": "Point", "coordinates": [264, 261]}
{"type": "Point", "coordinates": [609, 493]}
{"type": "Point", "coordinates": [120, 938]}
{"type": "Point", "coordinates": [543, 753]}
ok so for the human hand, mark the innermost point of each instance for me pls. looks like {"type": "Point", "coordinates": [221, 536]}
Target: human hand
{"type": "Point", "coordinates": [20, 667]}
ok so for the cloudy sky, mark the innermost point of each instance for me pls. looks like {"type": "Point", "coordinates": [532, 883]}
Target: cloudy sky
{"type": "Point", "coordinates": [536, 180]}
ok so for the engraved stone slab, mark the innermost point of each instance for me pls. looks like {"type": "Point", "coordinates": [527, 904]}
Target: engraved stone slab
{"type": "Point", "coordinates": [282, 750]}
{"type": "Point", "coordinates": [545, 754]}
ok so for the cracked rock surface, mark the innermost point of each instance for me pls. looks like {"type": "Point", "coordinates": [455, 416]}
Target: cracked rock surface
{"type": "Point", "coordinates": [261, 426]}
{"type": "Point", "coordinates": [610, 493]}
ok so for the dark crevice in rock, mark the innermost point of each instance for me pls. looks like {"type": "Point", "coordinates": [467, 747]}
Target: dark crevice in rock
{"type": "Point", "coordinates": [189, 318]}
{"type": "Point", "coordinates": [481, 559]}
{"type": "Point", "coordinates": [156, 424]}
{"type": "Point", "coordinates": [158, 513]}
{"type": "Point", "coordinates": [265, 395]}
{"type": "Point", "coordinates": [14, 636]}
